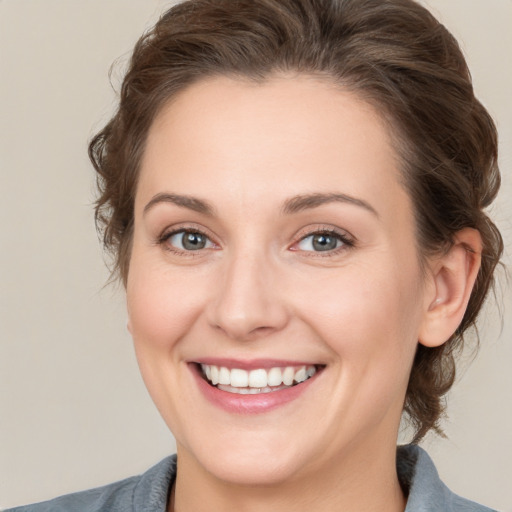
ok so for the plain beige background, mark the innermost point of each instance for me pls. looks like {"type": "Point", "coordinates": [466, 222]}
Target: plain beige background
{"type": "Point", "coordinates": [73, 410]}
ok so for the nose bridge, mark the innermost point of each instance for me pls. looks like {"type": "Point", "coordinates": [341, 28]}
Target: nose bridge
{"type": "Point", "coordinates": [247, 303]}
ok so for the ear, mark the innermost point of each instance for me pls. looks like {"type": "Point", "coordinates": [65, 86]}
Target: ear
{"type": "Point", "coordinates": [453, 275]}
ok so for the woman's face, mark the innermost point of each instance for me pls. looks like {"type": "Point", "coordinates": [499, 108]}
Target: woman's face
{"type": "Point", "coordinates": [274, 242]}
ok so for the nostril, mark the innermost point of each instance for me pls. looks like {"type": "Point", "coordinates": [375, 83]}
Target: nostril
{"type": "Point", "coordinates": [240, 332]}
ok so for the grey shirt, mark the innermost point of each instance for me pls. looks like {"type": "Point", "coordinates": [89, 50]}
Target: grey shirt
{"type": "Point", "coordinates": [149, 491]}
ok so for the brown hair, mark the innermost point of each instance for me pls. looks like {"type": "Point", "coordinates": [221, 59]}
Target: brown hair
{"type": "Point", "coordinates": [395, 55]}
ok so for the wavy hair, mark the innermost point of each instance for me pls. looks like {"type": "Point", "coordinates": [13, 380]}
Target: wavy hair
{"type": "Point", "coordinates": [392, 53]}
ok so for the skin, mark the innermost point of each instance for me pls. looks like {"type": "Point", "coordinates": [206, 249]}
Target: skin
{"type": "Point", "coordinates": [258, 290]}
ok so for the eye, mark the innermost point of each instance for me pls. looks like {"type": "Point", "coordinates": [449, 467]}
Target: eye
{"type": "Point", "coordinates": [189, 240]}
{"type": "Point", "coordinates": [322, 242]}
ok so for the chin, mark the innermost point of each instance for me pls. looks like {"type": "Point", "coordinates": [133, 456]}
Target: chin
{"type": "Point", "coordinates": [255, 471]}
{"type": "Point", "coordinates": [262, 462]}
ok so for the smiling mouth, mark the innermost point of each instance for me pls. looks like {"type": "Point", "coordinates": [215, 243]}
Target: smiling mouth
{"type": "Point", "coordinates": [261, 380]}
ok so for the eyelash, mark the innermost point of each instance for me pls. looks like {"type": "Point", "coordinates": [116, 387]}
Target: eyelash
{"type": "Point", "coordinates": [347, 241]}
{"type": "Point", "coordinates": [164, 238]}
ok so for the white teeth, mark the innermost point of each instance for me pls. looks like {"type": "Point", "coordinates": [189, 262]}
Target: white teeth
{"type": "Point", "coordinates": [256, 381]}
{"type": "Point", "coordinates": [300, 375]}
{"type": "Point", "coordinates": [239, 378]}
{"type": "Point", "coordinates": [224, 376]}
{"type": "Point", "coordinates": [214, 375]}
{"type": "Point", "coordinates": [275, 377]}
{"type": "Point", "coordinates": [250, 391]}
{"type": "Point", "coordinates": [288, 375]}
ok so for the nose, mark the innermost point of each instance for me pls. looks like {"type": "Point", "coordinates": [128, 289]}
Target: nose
{"type": "Point", "coordinates": [248, 303]}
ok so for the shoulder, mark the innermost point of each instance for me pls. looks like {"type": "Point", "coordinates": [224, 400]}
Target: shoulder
{"type": "Point", "coordinates": [144, 493]}
{"type": "Point", "coordinates": [427, 493]}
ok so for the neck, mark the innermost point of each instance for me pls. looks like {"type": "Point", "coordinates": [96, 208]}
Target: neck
{"type": "Point", "coordinates": [356, 483]}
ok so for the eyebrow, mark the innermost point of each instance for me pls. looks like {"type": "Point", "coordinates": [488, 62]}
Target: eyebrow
{"type": "Point", "coordinates": [307, 201]}
{"type": "Point", "coordinates": [189, 202]}
{"type": "Point", "coordinates": [293, 205]}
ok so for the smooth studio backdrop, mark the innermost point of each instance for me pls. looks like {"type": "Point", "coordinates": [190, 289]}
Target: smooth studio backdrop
{"type": "Point", "coordinates": [74, 412]}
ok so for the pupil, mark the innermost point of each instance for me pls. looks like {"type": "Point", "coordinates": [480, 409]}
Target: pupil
{"type": "Point", "coordinates": [193, 241]}
{"type": "Point", "coordinates": [324, 242]}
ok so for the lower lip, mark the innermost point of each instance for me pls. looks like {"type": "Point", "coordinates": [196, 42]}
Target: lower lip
{"type": "Point", "coordinates": [249, 404]}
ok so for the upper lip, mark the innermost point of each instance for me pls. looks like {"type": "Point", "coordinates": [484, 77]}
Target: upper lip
{"type": "Point", "coordinates": [253, 364]}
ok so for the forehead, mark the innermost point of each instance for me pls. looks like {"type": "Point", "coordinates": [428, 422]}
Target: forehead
{"type": "Point", "coordinates": [298, 134]}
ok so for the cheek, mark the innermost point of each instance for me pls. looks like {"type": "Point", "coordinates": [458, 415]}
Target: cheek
{"type": "Point", "coordinates": [161, 307]}
{"type": "Point", "coordinates": [367, 311]}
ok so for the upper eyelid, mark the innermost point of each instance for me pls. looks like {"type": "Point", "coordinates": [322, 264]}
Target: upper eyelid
{"type": "Point", "coordinates": [163, 238]}
{"type": "Point", "coordinates": [310, 231]}
{"type": "Point", "coordinates": [190, 228]}
{"type": "Point", "coordinates": [348, 243]}
{"type": "Point", "coordinates": [164, 243]}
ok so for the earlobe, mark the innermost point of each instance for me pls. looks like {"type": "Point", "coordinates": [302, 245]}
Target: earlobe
{"type": "Point", "coordinates": [453, 277]}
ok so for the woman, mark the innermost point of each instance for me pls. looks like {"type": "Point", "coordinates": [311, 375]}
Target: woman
{"type": "Point", "coordinates": [293, 192]}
